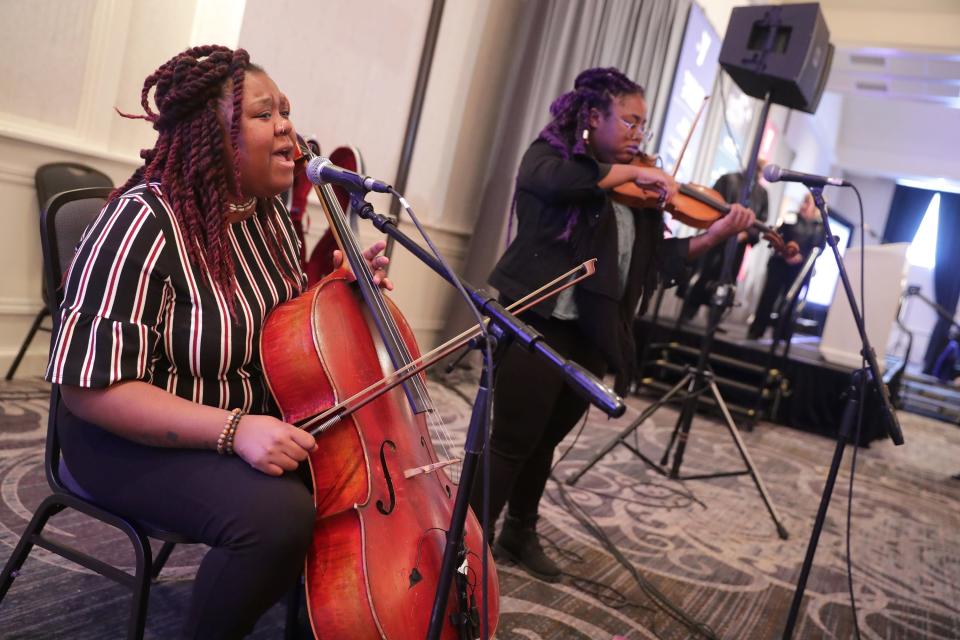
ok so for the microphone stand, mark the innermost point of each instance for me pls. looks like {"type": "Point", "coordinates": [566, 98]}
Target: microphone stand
{"type": "Point", "coordinates": [872, 377]}
{"type": "Point", "coordinates": [787, 307]}
{"type": "Point", "coordinates": [504, 327]}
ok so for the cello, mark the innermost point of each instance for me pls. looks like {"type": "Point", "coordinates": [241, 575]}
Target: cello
{"type": "Point", "coordinates": [383, 499]}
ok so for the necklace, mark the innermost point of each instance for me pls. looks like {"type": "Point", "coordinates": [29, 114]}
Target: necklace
{"type": "Point", "coordinates": [243, 206]}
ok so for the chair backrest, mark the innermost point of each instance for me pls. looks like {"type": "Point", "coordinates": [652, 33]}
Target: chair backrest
{"type": "Point", "coordinates": [58, 177]}
{"type": "Point", "coordinates": [62, 223]}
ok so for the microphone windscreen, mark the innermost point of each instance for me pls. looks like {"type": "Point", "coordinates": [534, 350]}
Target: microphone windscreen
{"type": "Point", "coordinates": [315, 169]}
{"type": "Point", "coordinates": [771, 173]}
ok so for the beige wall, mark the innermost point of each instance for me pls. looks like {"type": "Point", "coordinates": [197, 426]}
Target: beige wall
{"type": "Point", "coordinates": [349, 68]}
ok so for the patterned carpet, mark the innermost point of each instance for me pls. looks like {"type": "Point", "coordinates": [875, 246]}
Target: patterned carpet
{"type": "Point", "coordinates": [709, 546]}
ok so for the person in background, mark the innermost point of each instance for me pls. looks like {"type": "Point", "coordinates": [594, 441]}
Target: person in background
{"type": "Point", "coordinates": [945, 368]}
{"type": "Point", "coordinates": [807, 232]}
{"type": "Point", "coordinates": [708, 268]}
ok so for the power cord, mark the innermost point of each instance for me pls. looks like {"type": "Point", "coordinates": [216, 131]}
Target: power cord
{"type": "Point", "coordinates": [856, 443]}
{"type": "Point", "coordinates": [659, 599]}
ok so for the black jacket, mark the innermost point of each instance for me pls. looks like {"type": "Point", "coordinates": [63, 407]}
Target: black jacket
{"type": "Point", "coordinates": [550, 192]}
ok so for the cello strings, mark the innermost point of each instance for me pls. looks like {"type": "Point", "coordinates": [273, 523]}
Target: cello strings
{"type": "Point", "coordinates": [358, 263]}
{"type": "Point", "coordinates": [437, 430]}
{"type": "Point", "coordinates": [354, 256]}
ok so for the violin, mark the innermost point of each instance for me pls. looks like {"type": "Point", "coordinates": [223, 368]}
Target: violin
{"type": "Point", "coordinates": [694, 205]}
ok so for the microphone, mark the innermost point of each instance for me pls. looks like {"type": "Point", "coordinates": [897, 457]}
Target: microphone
{"type": "Point", "coordinates": [773, 173]}
{"type": "Point", "coordinates": [320, 171]}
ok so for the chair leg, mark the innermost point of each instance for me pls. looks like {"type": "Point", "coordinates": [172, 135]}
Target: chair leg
{"type": "Point", "coordinates": [161, 559]}
{"type": "Point", "coordinates": [49, 507]}
{"type": "Point", "coordinates": [141, 584]}
{"type": "Point", "coordinates": [26, 342]}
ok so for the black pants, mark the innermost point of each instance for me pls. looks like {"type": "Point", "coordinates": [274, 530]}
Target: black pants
{"type": "Point", "coordinates": [780, 276]}
{"type": "Point", "coordinates": [259, 526]}
{"type": "Point", "coordinates": [533, 410]}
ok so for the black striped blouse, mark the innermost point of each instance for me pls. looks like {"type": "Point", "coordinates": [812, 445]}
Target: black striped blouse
{"type": "Point", "coordinates": [136, 308]}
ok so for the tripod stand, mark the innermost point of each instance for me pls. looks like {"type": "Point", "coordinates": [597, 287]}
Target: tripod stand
{"type": "Point", "coordinates": [701, 379]}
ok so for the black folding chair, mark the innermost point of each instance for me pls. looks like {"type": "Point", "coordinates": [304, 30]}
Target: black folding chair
{"type": "Point", "coordinates": [61, 225]}
{"type": "Point", "coordinates": [51, 179]}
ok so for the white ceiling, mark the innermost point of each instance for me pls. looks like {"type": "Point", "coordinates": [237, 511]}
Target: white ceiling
{"type": "Point", "coordinates": [891, 73]}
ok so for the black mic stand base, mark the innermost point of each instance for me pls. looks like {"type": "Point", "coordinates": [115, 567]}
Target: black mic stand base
{"type": "Point", "coordinates": [466, 619]}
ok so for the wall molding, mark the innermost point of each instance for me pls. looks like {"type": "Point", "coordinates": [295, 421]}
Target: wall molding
{"type": "Point", "coordinates": [10, 174]}
{"type": "Point", "coordinates": [20, 306]}
{"type": "Point", "coordinates": [61, 139]}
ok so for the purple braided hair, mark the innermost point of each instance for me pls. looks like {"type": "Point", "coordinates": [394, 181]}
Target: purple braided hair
{"type": "Point", "coordinates": [594, 88]}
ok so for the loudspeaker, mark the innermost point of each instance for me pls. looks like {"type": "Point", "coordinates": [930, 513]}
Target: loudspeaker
{"type": "Point", "coordinates": [784, 49]}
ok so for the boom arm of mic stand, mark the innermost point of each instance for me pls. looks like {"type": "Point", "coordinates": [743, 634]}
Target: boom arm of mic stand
{"type": "Point", "coordinates": [938, 309]}
{"type": "Point", "coordinates": [504, 323]}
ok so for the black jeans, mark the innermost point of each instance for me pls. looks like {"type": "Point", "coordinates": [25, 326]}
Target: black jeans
{"type": "Point", "coordinates": [780, 276]}
{"type": "Point", "coordinates": [258, 526]}
{"type": "Point", "coordinates": [533, 410]}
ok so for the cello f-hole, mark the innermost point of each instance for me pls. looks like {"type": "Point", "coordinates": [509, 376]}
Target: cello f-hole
{"type": "Point", "coordinates": [386, 476]}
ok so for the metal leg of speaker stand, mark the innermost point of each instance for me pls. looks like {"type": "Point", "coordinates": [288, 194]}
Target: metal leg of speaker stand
{"type": "Point", "coordinates": [681, 434]}
{"type": "Point", "coordinates": [620, 437]}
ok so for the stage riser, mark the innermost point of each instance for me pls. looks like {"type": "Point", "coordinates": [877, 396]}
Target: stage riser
{"type": "Point", "coordinates": [802, 393]}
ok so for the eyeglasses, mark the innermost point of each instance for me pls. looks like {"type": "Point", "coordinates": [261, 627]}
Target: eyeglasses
{"type": "Point", "coordinates": [637, 130]}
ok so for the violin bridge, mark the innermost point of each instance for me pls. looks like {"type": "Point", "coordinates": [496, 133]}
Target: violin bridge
{"type": "Point", "coordinates": [429, 468]}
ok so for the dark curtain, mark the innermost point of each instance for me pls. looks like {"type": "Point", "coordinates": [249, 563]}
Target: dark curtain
{"type": "Point", "coordinates": [906, 213]}
{"type": "Point", "coordinates": [946, 274]}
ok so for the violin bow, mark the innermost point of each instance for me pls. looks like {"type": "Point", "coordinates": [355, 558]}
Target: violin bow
{"type": "Point", "coordinates": [693, 127]}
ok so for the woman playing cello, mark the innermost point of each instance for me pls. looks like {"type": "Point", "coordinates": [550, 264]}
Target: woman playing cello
{"type": "Point", "coordinates": [157, 350]}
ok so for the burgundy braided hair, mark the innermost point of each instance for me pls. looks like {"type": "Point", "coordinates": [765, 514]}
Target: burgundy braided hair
{"type": "Point", "coordinates": [189, 158]}
{"type": "Point", "coordinates": [593, 88]}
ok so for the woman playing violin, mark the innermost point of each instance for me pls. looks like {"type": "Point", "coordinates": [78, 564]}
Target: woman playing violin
{"type": "Point", "coordinates": [166, 416]}
{"type": "Point", "coordinates": [565, 215]}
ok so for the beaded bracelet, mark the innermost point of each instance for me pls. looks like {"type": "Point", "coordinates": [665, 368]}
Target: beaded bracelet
{"type": "Point", "coordinates": [225, 441]}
